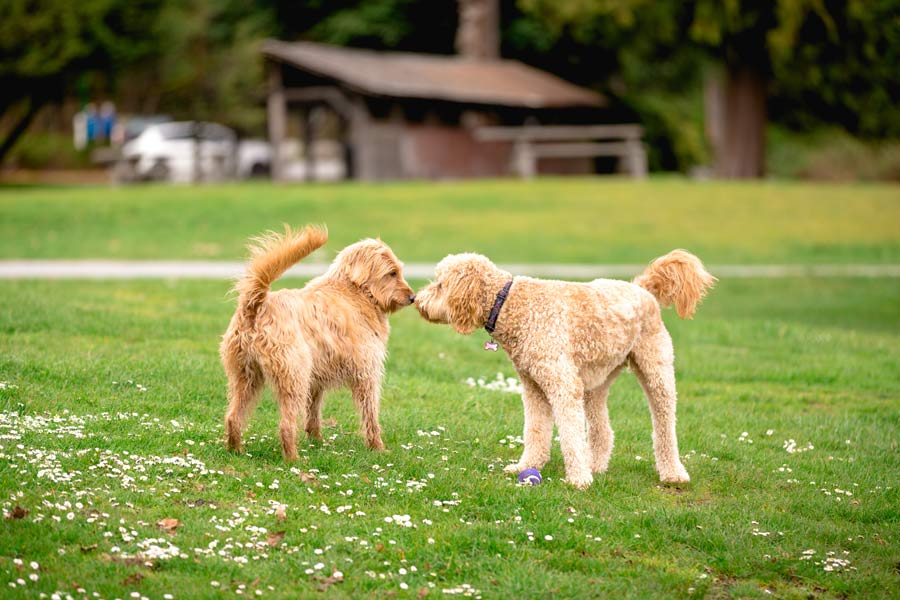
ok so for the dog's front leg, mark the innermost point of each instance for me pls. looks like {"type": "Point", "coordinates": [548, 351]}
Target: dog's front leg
{"type": "Point", "coordinates": [538, 429]}
{"type": "Point", "coordinates": [565, 392]}
{"type": "Point", "coordinates": [367, 397]}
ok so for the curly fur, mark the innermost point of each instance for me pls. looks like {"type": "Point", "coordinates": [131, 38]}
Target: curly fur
{"type": "Point", "coordinates": [569, 341]}
{"type": "Point", "coordinates": [331, 333]}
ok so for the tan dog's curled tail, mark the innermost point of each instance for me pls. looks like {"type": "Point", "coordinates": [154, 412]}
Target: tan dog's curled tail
{"type": "Point", "coordinates": [271, 255]}
{"type": "Point", "coordinates": [677, 278]}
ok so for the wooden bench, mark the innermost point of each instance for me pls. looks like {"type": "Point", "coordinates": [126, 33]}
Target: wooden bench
{"type": "Point", "coordinates": [532, 142]}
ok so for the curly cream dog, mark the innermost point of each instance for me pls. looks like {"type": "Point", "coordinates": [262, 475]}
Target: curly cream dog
{"type": "Point", "coordinates": [331, 333]}
{"type": "Point", "coordinates": [568, 342]}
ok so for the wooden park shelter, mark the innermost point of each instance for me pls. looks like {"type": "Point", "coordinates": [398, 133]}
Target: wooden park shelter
{"type": "Point", "coordinates": [408, 115]}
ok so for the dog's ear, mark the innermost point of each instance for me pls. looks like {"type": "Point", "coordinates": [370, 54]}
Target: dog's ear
{"type": "Point", "coordinates": [464, 303]}
{"type": "Point", "coordinates": [360, 266]}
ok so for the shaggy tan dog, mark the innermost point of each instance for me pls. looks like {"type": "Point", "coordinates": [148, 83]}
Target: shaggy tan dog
{"type": "Point", "coordinates": [568, 342]}
{"type": "Point", "coordinates": [331, 333]}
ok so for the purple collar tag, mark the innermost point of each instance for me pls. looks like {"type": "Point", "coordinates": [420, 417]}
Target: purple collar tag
{"type": "Point", "coordinates": [491, 345]}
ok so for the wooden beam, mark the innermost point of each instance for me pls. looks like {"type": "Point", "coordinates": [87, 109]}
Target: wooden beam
{"type": "Point", "coordinates": [577, 149]}
{"type": "Point", "coordinates": [330, 95]}
{"type": "Point", "coordinates": [559, 132]}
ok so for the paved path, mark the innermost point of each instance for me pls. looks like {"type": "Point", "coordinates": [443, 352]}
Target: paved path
{"type": "Point", "coordinates": [154, 269]}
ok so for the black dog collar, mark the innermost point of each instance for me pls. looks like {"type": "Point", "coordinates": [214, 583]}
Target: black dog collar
{"type": "Point", "coordinates": [498, 304]}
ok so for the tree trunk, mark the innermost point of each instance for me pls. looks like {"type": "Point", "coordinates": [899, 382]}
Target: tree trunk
{"type": "Point", "coordinates": [736, 122]}
{"type": "Point", "coordinates": [20, 127]}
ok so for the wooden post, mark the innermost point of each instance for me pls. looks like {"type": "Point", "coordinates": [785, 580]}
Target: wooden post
{"type": "Point", "coordinates": [277, 112]}
{"type": "Point", "coordinates": [309, 139]}
{"type": "Point", "coordinates": [636, 158]}
{"type": "Point", "coordinates": [360, 125]}
{"type": "Point", "coordinates": [524, 159]}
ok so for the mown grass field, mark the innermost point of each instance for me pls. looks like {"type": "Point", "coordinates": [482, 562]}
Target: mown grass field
{"type": "Point", "coordinates": [111, 401]}
{"type": "Point", "coordinates": [568, 220]}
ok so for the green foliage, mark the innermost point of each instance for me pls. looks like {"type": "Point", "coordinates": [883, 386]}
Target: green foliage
{"type": "Point", "coordinates": [48, 151]}
{"type": "Point", "coordinates": [828, 61]}
{"type": "Point", "coordinates": [223, 80]}
{"type": "Point", "coordinates": [831, 155]}
{"type": "Point", "coordinates": [49, 39]}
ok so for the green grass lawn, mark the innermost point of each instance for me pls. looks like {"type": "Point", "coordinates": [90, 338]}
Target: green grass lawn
{"type": "Point", "coordinates": [110, 420]}
{"type": "Point", "coordinates": [570, 220]}
{"type": "Point", "coordinates": [112, 398]}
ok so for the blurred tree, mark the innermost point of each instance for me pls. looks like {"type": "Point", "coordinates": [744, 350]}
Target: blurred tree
{"type": "Point", "coordinates": [46, 45]}
{"type": "Point", "coordinates": [209, 66]}
{"type": "Point", "coordinates": [755, 48]}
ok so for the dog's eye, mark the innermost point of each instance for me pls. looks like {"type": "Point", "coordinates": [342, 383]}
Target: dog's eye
{"type": "Point", "coordinates": [393, 273]}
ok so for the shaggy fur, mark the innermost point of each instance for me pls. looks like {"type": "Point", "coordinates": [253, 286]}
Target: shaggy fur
{"type": "Point", "coordinates": [331, 333]}
{"type": "Point", "coordinates": [569, 341]}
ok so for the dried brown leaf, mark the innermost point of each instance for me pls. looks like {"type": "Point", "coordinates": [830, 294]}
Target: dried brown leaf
{"type": "Point", "coordinates": [326, 582]}
{"type": "Point", "coordinates": [169, 525]}
{"type": "Point", "coordinates": [133, 579]}
{"type": "Point", "coordinates": [275, 538]}
{"type": "Point", "coordinates": [18, 513]}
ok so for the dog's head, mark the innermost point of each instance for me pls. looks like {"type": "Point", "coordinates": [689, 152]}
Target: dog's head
{"type": "Point", "coordinates": [373, 267]}
{"type": "Point", "coordinates": [462, 292]}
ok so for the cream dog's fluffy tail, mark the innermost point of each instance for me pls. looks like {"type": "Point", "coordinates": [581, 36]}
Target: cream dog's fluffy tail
{"type": "Point", "coordinates": [677, 278]}
{"type": "Point", "coordinates": [271, 255]}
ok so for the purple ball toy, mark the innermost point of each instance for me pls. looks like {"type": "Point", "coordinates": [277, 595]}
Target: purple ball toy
{"type": "Point", "coordinates": [530, 476]}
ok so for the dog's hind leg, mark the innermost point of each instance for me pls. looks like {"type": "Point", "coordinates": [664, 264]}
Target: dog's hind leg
{"type": "Point", "coordinates": [538, 429]}
{"type": "Point", "coordinates": [244, 383]}
{"type": "Point", "coordinates": [564, 390]}
{"type": "Point", "coordinates": [599, 431]}
{"type": "Point", "coordinates": [314, 414]}
{"type": "Point", "coordinates": [653, 363]}
{"type": "Point", "coordinates": [289, 371]}
{"type": "Point", "coordinates": [367, 397]}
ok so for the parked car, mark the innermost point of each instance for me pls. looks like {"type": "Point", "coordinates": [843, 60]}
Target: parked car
{"type": "Point", "coordinates": [254, 158]}
{"type": "Point", "coordinates": [180, 152]}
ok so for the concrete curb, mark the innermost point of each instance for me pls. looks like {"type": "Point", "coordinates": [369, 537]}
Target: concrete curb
{"type": "Point", "coordinates": [152, 269]}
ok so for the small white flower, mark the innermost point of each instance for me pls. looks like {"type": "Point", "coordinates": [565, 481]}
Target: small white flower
{"type": "Point", "coordinates": [549, 538]}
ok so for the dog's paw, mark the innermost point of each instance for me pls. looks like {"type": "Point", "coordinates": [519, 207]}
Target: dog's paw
{"type": "Point", "coordinates": [676, 476]}
{"type": "Point", "coordinates": [514, 468]}
{"type": "Point", "coordinates": [600, 466]}
{"type": "Point", "coordinates": [376, 445]}
{"type": "Point", "coordinates": [580, 482]}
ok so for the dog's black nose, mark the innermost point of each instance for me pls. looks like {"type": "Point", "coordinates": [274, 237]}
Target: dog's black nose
{"type": "Point", "coordinates": [412, 298]}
